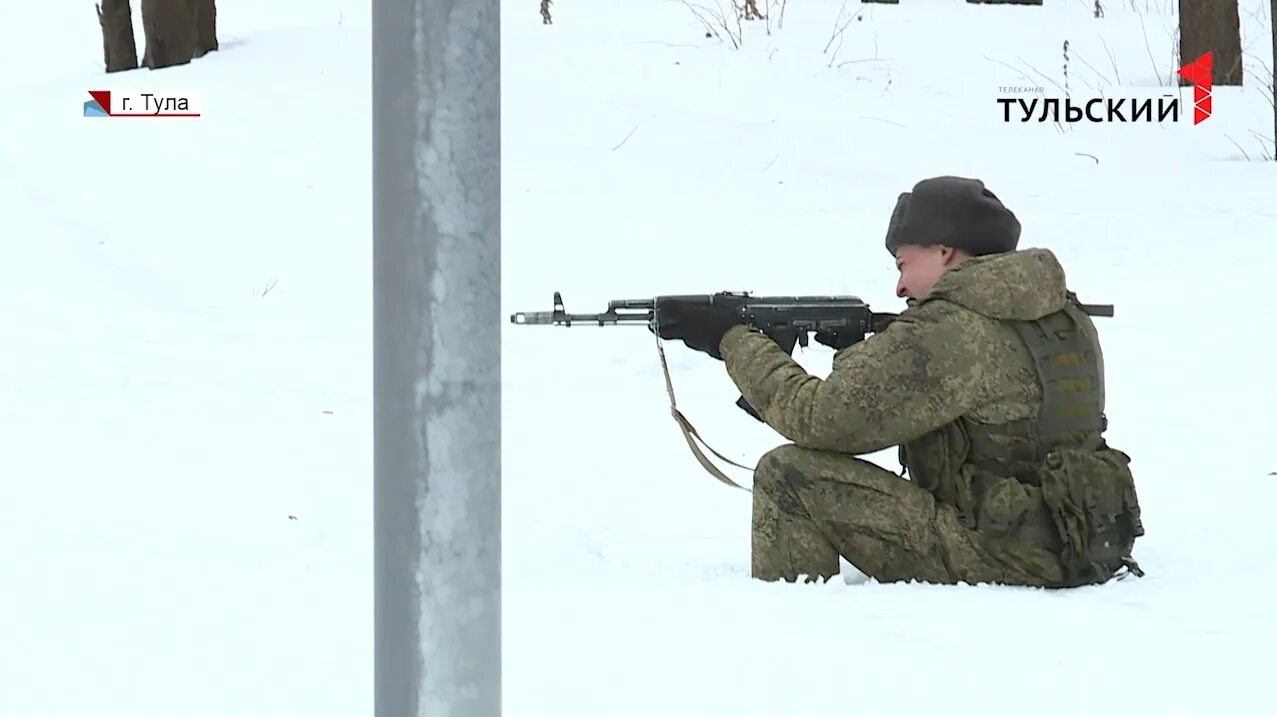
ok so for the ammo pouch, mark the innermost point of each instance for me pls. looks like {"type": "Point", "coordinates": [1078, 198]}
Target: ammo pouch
{"type": "Point", "coordinates": [1005, 507]}
{"type": "Point", "coordinates": [1090, 495]}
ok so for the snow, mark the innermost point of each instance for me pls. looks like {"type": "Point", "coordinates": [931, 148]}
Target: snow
{"type": "Point", "coordinates": [185, 510]}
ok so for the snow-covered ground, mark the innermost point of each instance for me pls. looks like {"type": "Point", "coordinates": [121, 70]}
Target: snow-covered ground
{"type": "Point", "coordinates": [185, 471]}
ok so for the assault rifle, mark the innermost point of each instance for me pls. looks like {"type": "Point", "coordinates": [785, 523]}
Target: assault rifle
{"type": "Point", "coordinates": [837, 321]}
{"type": "Point", "coordinates": [787, 319]}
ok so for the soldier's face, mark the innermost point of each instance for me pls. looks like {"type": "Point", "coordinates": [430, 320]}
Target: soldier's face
{"type": "Point", "coordinates": [920, 268]}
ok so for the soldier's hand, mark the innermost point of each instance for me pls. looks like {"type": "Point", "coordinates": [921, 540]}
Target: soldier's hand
{"type": "Point", "coordinates": [699, 326]}
{"type": "Point", "coordinates": [836, 341]}
{"type": "Point", "coordinates": [743, 405]}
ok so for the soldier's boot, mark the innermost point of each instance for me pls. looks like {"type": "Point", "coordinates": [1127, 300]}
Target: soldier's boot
{"type": "Point", "coordinates": [812, 506]}
{"type": "Point", "coordinates": [786, 544]}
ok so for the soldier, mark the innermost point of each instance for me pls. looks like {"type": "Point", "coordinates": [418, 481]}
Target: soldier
{"type": "Point", "coordinates": [991, 386]}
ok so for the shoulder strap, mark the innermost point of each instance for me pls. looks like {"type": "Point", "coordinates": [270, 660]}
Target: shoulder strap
{"type": "Point", "coordinates": [1069, 370]}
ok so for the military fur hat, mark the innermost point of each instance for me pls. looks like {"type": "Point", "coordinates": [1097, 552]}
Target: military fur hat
{"type": "Point", "coordinates": [956, 212]}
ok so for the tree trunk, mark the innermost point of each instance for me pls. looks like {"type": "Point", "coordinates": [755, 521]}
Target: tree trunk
{"type": "Point", "coordinates": [205, 13]}
{"type": "Point", "coordinates": [169, 27]}
{"type": "Point", "coordinates": [119, 49]}
{"type": "Point", "coordinates": [1212, 26]}
{"type": "Point", "coordinates": [1272, 20]}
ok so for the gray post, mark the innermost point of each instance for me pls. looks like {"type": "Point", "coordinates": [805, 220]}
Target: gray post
{"type": "Point", "coordinates": [437, 372]}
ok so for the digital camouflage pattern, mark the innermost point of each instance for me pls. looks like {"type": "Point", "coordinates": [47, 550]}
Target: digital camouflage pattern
{"type": "Point", "coordinates": [811, 506]}
{"type": "Point", "coordinates": [945, 382]}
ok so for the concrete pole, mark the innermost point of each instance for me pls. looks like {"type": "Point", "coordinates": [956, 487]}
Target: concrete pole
{"type": "Point", "coordinates": [437, 343]}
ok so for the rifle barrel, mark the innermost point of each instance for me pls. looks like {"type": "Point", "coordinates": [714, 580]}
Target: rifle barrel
{"type": "Point", "coordinates": [563, 319]}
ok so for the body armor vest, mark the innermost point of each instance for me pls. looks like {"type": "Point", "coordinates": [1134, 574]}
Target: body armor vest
{"type": "Point", "coordinates": [1067, 358]}
{"type": "Point", "coordinates": [1088, 511]}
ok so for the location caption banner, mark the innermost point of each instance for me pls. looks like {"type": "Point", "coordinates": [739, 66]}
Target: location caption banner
{"type": "Point", "coordinates": [143, 104]}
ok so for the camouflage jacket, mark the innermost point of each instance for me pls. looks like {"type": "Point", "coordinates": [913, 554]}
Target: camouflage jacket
{"type": "Point", "coordinates": [952, 366]}
{"type": "Point", "coordinates": [946, 356]}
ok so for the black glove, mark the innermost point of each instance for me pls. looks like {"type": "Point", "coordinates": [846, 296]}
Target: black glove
{"type": "Point", "coordinates": [837, 341]}
{"type": "Point", "coordinates": [700, 326]}
{"type": "Point", "coordinates": [743, 405]}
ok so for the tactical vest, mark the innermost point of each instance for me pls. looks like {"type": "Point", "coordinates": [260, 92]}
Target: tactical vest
{"type": "Point", "coordinates": [1075, 495]}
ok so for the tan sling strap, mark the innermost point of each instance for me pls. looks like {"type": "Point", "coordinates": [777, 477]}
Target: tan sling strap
{"type": "Point", "coordinates": [690, 434]}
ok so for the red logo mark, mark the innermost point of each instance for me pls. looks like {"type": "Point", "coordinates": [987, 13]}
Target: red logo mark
{"type": "Point", "coordinates": [1200, 72]}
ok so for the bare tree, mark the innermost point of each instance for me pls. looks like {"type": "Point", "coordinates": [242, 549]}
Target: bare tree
{"type": "Point", "coordinates": [169, 27]}
{"type": "Point", "coordinates": [119, 48]}
{"type": "Point", "coordinates": [1212, 26]}
{"type": "Point", "coordinates": [1272, 21]}
{"type": "Point", "coordinates": [1004, 2]}
{"type": "Point", "coordinates": [205, 18]}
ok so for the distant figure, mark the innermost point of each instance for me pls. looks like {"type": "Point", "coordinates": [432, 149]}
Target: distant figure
{"type": "Point", "coordinates": [991, 386]}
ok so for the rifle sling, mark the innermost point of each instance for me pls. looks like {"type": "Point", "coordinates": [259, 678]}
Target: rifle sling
{"type": "Point", "coordinates": [689, 432]}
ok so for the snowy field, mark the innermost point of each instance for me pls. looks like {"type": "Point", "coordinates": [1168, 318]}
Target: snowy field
{"type": "Point", "coordinates": [186, 473]}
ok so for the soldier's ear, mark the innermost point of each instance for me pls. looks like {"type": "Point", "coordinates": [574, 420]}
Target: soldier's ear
{"type": "Point", "coordinates": [951, 255]}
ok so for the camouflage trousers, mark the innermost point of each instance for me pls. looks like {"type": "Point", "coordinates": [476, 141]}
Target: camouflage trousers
{"type": "Point", "coordinates": [810, 507]}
